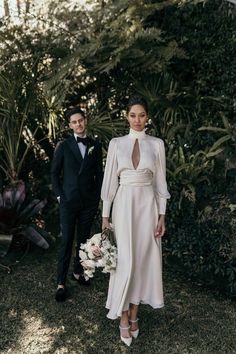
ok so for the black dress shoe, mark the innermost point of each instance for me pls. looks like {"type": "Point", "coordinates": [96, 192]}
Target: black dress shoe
{"type": "Point", "coordinates": [81, 280]}
{"type": "Point", "coordinates": [60, 295]}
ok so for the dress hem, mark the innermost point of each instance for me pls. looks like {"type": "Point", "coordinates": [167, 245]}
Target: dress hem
{"type": "Point", "coordinates": [114, 317]}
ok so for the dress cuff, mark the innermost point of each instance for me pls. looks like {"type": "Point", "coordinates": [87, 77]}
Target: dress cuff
{"type": "Point", "coordinates": [106, 207]}
{"type": "Point", "coordinates": [161, 205]}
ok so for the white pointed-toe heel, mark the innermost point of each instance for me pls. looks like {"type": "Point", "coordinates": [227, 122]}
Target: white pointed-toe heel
{"type": "Point", "coordinates": [126, 340]}
{"type": "Point", "coordinates": [135, 333]}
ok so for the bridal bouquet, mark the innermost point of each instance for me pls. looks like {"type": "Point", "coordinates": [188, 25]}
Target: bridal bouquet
{"type": "Point", "coordinates": [99, 252]}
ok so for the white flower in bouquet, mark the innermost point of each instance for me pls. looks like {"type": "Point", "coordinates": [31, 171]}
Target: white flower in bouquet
{"type": "Point", "coordinates": [105, 270]}
{"type": "Point", "coordinates": [106, 257]}
{"type": "Point", "coordinates": [90, 254]}
{"type": "Point", "coordinates": [99, 252]}
{"type": "Point", "coordinates": [101, 263]}
{"type": "Point", "coordinates": [82, 246]}
{"type": "Point", "coordinates": [83, 255]}
{"type": "Point", "coordinates": [106, 245]}
{"type": "Point", "coordinates": [88, 264]}
{"type": "Point", "coordinates": [95, 240]}
{"type": "Point", "coordinates": [89, 273]}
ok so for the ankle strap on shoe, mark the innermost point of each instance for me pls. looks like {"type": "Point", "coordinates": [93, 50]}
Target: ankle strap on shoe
{"type": "Point", "coordinates": [134, 321]}
{"type": "Point", "coordinates": [124, 327]}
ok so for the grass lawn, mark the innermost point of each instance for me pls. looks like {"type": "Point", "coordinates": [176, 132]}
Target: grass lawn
{"type": "Point", "coordinates": [192, 321]}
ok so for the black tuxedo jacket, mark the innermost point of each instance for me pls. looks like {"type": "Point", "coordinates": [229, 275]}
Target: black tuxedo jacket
{"type": "Point", "coordinates": [76, 180]}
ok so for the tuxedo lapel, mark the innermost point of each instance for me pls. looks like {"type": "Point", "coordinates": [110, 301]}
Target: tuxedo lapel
{"type": "Point", "coordinates": [75, 149]}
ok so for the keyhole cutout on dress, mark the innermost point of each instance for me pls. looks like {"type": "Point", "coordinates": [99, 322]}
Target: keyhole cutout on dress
{"type": "Point", "coordinates": [136, 154]}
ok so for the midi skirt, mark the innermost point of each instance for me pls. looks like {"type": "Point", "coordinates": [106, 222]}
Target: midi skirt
{"type": "Point", "coordinates": [138, 275]}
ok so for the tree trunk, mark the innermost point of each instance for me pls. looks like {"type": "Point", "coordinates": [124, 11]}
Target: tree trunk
{"type": "Point", "coordinates": [18, 7]}
{"type": "Point", "coordinates": [6, 8]}
{"type": "Point", "coordinates": [27, 6]}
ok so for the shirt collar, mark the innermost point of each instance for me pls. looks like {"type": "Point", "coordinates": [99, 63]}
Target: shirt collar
{"type": "Point", "coordinates": [75, 135]}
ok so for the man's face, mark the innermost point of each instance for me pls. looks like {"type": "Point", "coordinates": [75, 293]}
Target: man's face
{"type": "Point", "coordinates": [78, 124]}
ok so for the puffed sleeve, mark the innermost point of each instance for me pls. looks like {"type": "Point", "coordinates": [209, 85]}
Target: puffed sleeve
{"type": "Point", "coordinates": [160, 185]}
{"type": "Point", "coordinates": [110, 179]}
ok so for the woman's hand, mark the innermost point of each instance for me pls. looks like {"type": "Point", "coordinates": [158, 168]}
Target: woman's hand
{"type": "Point", "coordinates": [105, 223]}
{"type": "Point", "coordinates": [160, 229]}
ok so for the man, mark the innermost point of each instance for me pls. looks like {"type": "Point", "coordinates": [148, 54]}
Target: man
{"type": "Point", "coordinates": [76, 180]}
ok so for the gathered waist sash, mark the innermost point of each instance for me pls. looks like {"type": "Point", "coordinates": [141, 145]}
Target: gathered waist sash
{"type": "Point", "coordinates": [136, 178]}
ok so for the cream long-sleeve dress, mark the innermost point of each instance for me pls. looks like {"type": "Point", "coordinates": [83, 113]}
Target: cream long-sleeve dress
{"type": "Point", "coordinates": [138, 196]}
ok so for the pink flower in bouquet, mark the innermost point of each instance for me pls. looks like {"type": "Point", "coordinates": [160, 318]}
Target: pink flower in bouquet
{"type": "Point", "coordinates": [88, 264]}
{"type": "Point", "coordinates": [96, 251]}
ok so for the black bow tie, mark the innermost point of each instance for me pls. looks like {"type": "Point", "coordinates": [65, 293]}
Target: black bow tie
{"type": "Point", "coordinates": [82, 140]}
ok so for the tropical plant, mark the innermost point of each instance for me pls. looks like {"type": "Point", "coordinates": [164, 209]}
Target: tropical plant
{"type": "Point", "coordinates": [228, 132]}
{"type": "Point", "coordinates": [117, 41]}
{"type": "Point", "coordinates": [18, 218]}
{"type": "Point", "coordinates": [205, 242]}
{"type": "Point", "coordinates": [102, 125]}
{"type": "Point", "coordinates": [171, 106]}
{"type": "Point", "coordinates": [16, 134]}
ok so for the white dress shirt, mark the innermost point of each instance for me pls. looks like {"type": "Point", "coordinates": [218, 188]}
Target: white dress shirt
{"type": "Point", "coordinates": [81, 146]}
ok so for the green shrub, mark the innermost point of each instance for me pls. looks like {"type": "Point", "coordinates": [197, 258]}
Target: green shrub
{"type": "Point", "coordinates": [205, 242]}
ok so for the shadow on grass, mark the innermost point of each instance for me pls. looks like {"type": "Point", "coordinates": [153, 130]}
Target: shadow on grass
{"type": "Point", "coordinates": [193, 321]}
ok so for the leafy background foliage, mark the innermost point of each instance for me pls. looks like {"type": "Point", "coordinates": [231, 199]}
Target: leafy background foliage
{"type": "Point", "coordinates": [180, 56]}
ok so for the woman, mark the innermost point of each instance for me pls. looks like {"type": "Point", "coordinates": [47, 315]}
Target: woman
{"type": "Point", "coordinates": [135, 182]}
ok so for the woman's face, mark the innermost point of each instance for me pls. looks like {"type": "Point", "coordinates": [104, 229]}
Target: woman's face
{"type": "Point", "coordinates": [137, 117]}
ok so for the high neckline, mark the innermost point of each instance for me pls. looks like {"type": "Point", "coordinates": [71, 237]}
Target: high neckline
{"type": "Point", "coordinates": [134, 134]}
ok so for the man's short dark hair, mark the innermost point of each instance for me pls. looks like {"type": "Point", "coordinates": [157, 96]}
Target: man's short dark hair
{"type": "Point", "coordinates": [74, 110]}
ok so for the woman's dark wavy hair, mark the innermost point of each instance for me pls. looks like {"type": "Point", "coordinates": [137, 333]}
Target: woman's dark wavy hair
{"type": "Point", "coordinates": [72, 111]}
{"type": "Point", "coordinates": [137, 100]}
